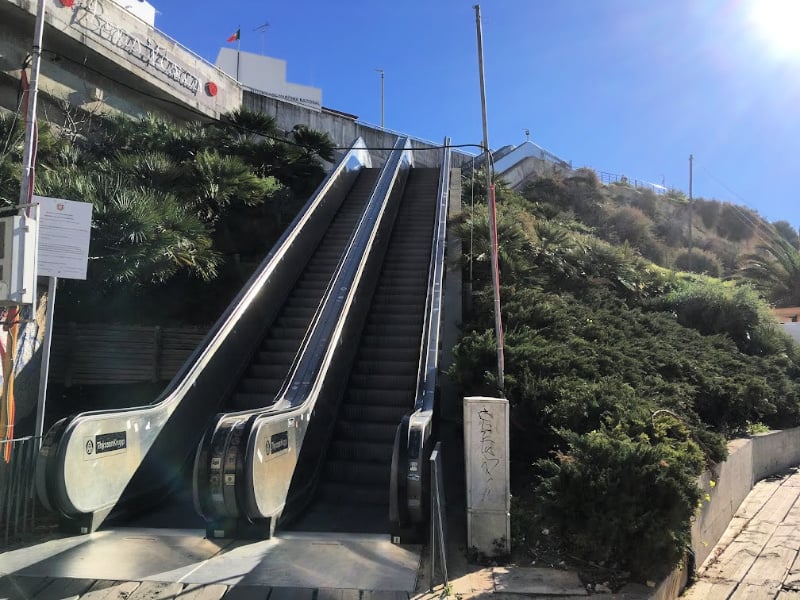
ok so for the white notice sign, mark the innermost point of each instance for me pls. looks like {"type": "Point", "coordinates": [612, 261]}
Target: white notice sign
{"type": "Point", "coordinates": [64, 233]}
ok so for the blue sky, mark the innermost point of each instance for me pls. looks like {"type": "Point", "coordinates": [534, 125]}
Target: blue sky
{"type": "Point", "coordinates": [623, 86]}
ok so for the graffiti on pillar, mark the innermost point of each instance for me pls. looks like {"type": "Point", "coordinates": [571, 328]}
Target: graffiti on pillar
{"type": "Point", "coordinates": [490, 460]}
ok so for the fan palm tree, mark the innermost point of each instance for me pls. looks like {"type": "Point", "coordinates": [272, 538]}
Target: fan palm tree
{"type": "Point", "coordinates": [775, 270]}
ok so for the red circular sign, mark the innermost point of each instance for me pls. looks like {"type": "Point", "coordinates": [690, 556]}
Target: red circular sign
{"type": "Point", "coordinates": [211, 88]}
{"type": "Point", "coordinates": [68, 3]}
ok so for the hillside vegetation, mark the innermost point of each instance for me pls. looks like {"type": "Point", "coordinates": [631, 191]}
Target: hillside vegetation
{"type": "Point", "coordinates": [716, 238]}
{"type": "Point", "coordinates": [180, 213]}
{"type": "Point", "coordinates": [625, 378]}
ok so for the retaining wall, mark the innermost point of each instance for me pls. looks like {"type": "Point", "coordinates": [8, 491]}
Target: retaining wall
{"type": "Point", "coordinates": [749, 461]}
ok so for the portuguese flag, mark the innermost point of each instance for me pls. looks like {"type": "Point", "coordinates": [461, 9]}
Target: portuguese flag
{"type": "Point", "coordinates": [235, 36]}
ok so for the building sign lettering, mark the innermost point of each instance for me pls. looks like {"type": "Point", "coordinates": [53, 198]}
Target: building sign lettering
{"type": "Point", "coordinates": [147, 51]}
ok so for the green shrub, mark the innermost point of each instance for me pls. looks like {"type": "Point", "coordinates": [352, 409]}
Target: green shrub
{"type": "Point", "coordinates": [736, 223]}
{"type": "Point", "coordinates": [712, 307]}
{"type": "Point", "coordinates": [647, 201]}
{"type": "Point", "coordinates": [698, 261]}
{"type": "Point", "coordinates": [630, 225]}
{"type": "Point", "coordinates": [622, 497]}
{"type": "Point", "coordinates": [708, 210]}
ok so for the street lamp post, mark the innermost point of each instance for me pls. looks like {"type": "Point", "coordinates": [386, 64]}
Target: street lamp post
{"type": "Point", "coordinates": [382, 96]}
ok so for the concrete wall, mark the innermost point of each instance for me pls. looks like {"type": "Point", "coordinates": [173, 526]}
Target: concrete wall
{"type": "Point", "coordinates": [793, 329]}
{"type": "Point", "coordinates": [101, 58]}
{"type": "Point", "coordinates": [749, 461]}
{"type": "Point", "coordinates": [343, 129]}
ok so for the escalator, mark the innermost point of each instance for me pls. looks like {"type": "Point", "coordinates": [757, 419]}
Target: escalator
{"type": "Point", "coordinates": [270, 364]}
{"type": "Point", "coordinates": [124, 460]}
{"type": "Point", "coordinates": [354, 486]}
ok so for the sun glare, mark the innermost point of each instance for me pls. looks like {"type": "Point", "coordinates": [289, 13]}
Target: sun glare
{"type": "Point", "coordinates": [778, 22]}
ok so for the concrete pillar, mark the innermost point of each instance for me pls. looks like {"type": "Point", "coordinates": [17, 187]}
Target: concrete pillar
{"type": "Point", "coordinates": [488, 489]}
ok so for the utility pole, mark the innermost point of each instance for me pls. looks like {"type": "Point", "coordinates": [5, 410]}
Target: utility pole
{"type": "Point", "coordinates": [691, 211]}
{"type": "Point", "coordinates": [382, 95]}
{"type": "Point", "coordinates": [29, 151]}
{"type": "Point", "coordinates": [498, 319]}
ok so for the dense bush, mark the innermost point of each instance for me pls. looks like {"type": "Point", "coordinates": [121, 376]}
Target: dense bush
{"type": "Point", "coordinates": [698, 261]}
{"type": "Point", "coordinates": [736, 223]}
{"type": "Point", "coordinates": [787, 232]}
{"type": "Point", "coordinates": [708, 210]}
{"type": "Point", "coordinates": [592, 495]}
{"type": "Point", "coordinates": [624, 380]}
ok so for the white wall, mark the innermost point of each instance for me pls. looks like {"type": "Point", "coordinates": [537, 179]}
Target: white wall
{"type": "Point", "coordinates": [267, 74]}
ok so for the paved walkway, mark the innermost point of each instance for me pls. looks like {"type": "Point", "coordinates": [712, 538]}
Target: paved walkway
{"type": "Point", "coordinates": [758, 557]}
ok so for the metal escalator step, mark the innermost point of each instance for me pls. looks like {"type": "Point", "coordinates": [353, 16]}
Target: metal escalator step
{"type": "Point", "coordinates": [286, 333]}
{"type": "Point", "coordinates": [379, 353]}
{"type": "Point", "coordinates": [410, 320]}
{"type": "Point", "coordinates": [390, 329]}
{"type": "Point", "coordinates": [373, 413]}
{"type": "Point", "coordinates": [407, 309]}
{"type": "Point", "coordinates": [292, 322]}
{"type": "Point", "coordinates": [354, 472]}
{"type": "Point", "coordinates": [404, 398]}
{"type": "Point", "coordinates": [401, 299]}
{"type": "Point", "coordinates": [298, 311]}
{"type": "Point", "coordinates": [361, 450]}
{"type": "Point", "coordinates": [268, 371]}
{"type": "Point", "coordinates": [369, 432]}
{"type": "Point", "coordinates": [279, 345]}
{"type": "Point", "coordinates": [390, 341]}
{"type": "Point", "coordinates": [385, 367]}
{"type": "Point", "coordinates": [348, 493]}
{"type": "Point", "coordinates": [259, 385]}
{"type": "Point", "coordinates": [269, 357]}
{"type": "Point", "coordinates": [384, 382]}
{"type": "Point", "coordinates": [248, 401]}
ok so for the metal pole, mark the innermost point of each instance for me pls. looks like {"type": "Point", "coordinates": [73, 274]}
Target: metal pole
{"type": "Point", "coordinates": [498, 322]}
{"type": "Point", "coordinates": [46, 342]}
{"type": "Point", "coordinates": [382, 94]}
{"type": "Point", "coordinates": [29, 153]}
{"type": "Point", "coordinates": [691, 212]}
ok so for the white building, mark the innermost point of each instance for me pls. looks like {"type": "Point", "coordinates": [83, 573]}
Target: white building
{"type": "Point", "coordinates": [267, 75]}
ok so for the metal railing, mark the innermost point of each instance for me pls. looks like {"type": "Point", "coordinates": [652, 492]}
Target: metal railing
{"type": "Point", "coordinates": [17, 496]}
{"type": "Point", "coordinates": [607, 178]}
{"type": "Point", "coordinates": [438, 517]}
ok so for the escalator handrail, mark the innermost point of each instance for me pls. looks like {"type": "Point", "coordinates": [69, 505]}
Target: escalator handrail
{"type": "Point", "coordinates": [429, 345]}
{"type": "Point", "coordinates": [298, 393]}
{"type": "Point", "coordinates": [53, 456]}
{"type": "Point", "coordinates": [321, 334]}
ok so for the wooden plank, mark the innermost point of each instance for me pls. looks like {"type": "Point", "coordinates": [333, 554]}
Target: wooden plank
{"type": "Point", "coordinates": [246, 592]}
{"type": "Point", "coordinates": [710, 589]}
{"type": "Point", "coordinates": [156, 590]}
{"type": "Point", "coordinates": [776, 558]}
{"type": "Point", "coordinates": [750, 591]}
{"type": "Point", "coordinates": [384, 595]}
{"type": "Point", "coordinates": [65, 589]}
{"type": "Point", "coordinates": [336, 594]}
{"type": "Point", "coordinates": [756, 499]}
{"type": "Point", "coordinates": [110, 590]}
{"type": "Point", "coordinates": [202, 591]}
{"type": "Point", "coordinates": [777, 506]}
{"type": "Point", "coordinates": [284, 593]}
{"type": "Point", "coordinates": [12, 586]}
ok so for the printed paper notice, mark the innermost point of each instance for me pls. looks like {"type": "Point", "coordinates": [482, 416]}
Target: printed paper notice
{"type": "Point", "coordinates": [64, 233]}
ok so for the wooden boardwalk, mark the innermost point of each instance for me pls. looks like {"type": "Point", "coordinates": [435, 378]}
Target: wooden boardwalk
{"type": "Point", "coordinates": [758, 557]}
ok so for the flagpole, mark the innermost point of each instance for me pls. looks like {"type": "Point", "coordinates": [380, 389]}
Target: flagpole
{"type": "Point", "coordinates": [238, 48]}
